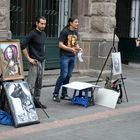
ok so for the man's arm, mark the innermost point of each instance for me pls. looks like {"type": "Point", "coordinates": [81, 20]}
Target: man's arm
{"type": "Point", "coordinates": [73, 49]}
{"type": "Point", "coordinates": [26, 54]}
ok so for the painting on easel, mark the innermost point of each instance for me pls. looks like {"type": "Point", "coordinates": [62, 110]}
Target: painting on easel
{"type": "Point", "coordinates": [116, 60]}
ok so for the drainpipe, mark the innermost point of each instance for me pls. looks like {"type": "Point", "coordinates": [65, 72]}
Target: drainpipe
{"type": "Point", "coordinates": [135, 20]}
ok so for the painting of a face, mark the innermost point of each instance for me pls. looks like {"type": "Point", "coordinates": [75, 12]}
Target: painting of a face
{"type": "Point", "coordinates": [9, 53]}
{"type": "Point", "coordinates": [116, 64]}
{"type": "Point", "coordinates": [116, 60]}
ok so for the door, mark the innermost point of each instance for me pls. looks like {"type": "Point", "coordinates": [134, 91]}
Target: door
{"type": "Point", "coordinates": [128, 21]}
{"type": "Point", "coordinates": [23, 14]}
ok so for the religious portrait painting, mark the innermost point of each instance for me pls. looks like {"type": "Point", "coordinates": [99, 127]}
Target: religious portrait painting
{"type": "Point", "coordinates": [11, 60]}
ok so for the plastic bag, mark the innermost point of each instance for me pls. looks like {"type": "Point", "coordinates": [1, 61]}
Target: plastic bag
{"type": "Point", "coordinates": [5, 118]}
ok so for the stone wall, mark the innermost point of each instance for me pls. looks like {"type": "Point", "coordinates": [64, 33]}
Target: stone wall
{"type": "Point", "coordinates": [5, 20]}
{"type": "Point", "coordinates": [97, 22]}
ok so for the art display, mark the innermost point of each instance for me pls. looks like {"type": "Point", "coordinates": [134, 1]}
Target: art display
{"type": "Point", "coordinates": [116, 60]}
{"type": "Point", "coordinates": [11, 60]}
{"type": "Point", "coordinates": [21, 104]}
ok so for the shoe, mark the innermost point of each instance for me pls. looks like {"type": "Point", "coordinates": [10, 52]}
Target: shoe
{"type": "Point", "coordinates": [38, 104]}
{"type": "Point", "coordinates": [66, 97]}
{"type": "Point", "coordinates": [56, 99]}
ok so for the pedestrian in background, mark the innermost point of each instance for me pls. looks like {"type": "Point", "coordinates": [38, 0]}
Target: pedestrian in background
{"type": "Point", "coordinates": [35, 41]}
{"type": "Point", "coordinates": [69, 47]}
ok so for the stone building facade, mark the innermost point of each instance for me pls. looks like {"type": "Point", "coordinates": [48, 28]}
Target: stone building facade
{"type": "Point", "coordinates": [5, 32]}
{"type": "Point", "coordinates": [97, 22]}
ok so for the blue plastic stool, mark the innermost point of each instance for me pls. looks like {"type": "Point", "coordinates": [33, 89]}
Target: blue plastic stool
{"type": "Point", "coordinates": [83, 97]}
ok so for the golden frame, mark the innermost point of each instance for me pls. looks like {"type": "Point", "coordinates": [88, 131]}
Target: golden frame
{"type": "Point", "coordinates": [11, 60]}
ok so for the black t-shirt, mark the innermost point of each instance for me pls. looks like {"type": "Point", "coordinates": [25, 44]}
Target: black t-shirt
{"type": "Point", "coordinates": [69, 38]}
{"type": "Point", "coordinates": [35, 41]}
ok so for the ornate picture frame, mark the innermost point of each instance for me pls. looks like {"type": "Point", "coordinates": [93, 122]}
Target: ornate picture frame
{"type": "Point", "coordinates": [21, 104]}
{"type": "Point", "coordinates": [11, 60]}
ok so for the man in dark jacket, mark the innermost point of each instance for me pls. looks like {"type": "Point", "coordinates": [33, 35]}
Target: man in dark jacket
{"type": "Point", "coordinates": [35, 41]}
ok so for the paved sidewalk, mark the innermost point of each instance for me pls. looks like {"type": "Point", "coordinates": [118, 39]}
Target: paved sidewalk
{"type": "Point", "coordinates": [74, 122]}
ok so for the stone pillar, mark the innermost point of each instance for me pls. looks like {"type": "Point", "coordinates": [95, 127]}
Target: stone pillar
{"type": "Point", "coordinates": [97, 22]}
{"type": "Point", "coordinates": [5, 20]}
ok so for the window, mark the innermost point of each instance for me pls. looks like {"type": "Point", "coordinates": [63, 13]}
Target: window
{"type": "Point", "coordinates": [24, 12]}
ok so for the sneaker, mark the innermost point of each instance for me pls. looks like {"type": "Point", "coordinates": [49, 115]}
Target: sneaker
{"type": "Point", "coordinates": [56, 99]}
{"type": "Point", "coordinates": [38, 104]}
{"type": "Point", "coordinates": [66, 97]}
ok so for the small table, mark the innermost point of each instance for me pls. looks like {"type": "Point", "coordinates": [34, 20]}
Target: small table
{"type": "Point", "coordinates": [83, 97]}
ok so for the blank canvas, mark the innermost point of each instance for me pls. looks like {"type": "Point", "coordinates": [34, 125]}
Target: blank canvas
{"type": "Point", "coordinates": [106, 97]}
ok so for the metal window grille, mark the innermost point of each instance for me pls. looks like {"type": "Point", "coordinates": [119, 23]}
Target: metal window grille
{"type": "Point", "coordinates": [24, 12]}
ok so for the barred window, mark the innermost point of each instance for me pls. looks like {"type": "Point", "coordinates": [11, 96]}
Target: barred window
{"type": "Point", "coordinates": [24, 12]}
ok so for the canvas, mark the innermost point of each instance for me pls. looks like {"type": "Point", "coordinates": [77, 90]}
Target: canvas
{"type": "Point", "coordinates": [106, 97]}
{"type": "Point", "coordinates": [21, 103]}
{"type": "Point", "coordinates": [11, 60]}
{"type": "Point", "coordinates": [116, 60]}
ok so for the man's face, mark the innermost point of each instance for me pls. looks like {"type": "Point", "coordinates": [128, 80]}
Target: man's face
{"type": "Point", "coordinates": [74, 24]}
{"type": "Point", "coordinates": [41, 25]}
{"type": "Point", "coordinates": [116, 64]}
{"type": "Point", "coordinates": [9, 53]}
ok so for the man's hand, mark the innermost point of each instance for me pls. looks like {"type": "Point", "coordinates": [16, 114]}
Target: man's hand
{"type": "Point", "coordinates": [32, 61]}
{"type": "Point", "coordinates": [77, 49]}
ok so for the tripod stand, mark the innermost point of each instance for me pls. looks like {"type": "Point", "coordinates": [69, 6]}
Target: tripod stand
{"type": "Point", "coordinates": [113, 49]}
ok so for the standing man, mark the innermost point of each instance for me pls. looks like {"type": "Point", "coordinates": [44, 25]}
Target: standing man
{"type": "Point", "coordinates": [68, 44]}
{"type": "Point", "coordinates": [35, 41]}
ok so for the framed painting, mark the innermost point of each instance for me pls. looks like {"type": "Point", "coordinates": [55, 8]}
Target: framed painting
{"type": "Point", "coordinates": [20, 102]}
{"type": "Point", "coordinates": [11, 60]}
{"type": "Point", "coordinates": [116, 60]}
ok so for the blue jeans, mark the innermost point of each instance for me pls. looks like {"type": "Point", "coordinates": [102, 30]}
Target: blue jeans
{"type": "Point", "coordinates": [66, 68]}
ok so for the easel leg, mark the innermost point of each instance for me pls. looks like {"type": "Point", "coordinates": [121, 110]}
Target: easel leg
{"type": "Point", "coordinates": [124, 87]}
{"type": "Point", "coordinates": [39, 104]}
{"type": "Point", "coordinates": [42, 108]}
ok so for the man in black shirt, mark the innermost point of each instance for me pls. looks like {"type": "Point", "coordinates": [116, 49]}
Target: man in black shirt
{"type": "Point", "coordinates": [35, 41]}
{"type": "Point", "coordinates": [69, 47]}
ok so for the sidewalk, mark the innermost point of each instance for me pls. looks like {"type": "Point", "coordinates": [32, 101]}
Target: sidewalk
{"type": "Point", "coordinates": [75, 122]}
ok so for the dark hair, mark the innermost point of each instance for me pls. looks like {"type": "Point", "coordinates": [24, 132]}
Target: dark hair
{"type": "Point", "coordinates": [71, 19]}
{"type": "Point", "coordinates": [14, 52]}
{"type": "Point", "coordinates": [40, 17]}
{"type": "Point", "coordinates": [38, 20]}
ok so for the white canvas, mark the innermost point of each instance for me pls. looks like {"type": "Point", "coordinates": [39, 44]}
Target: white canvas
{"type": "Point", "coordinates": [106, 97]}
{"type": "Point", "coordinates": [116, 60]}
{"type": "Point", "coordinates": [79, 85]}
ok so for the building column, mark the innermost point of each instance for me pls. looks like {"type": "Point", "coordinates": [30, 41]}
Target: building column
{"type": "Point", "coordinates": [5, 20]}
{"type": "Point", "coordinates": [97, 22]}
